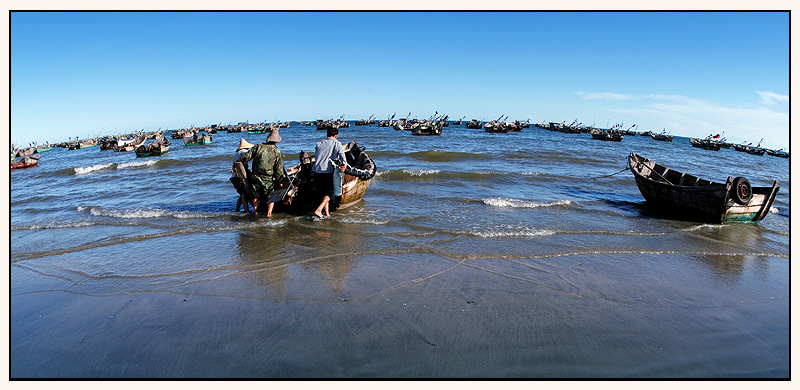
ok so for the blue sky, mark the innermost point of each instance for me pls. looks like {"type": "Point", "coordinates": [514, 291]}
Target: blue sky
{"type": "Point", "coordinates": [691, 73]}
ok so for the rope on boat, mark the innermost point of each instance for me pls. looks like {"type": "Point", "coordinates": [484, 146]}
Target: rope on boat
{"type": "Point", "coordinates": [627, 166]}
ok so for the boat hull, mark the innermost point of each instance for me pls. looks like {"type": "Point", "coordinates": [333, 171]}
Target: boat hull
{"type": "Point", "coordinates": [689, 197]}
{"type": "Point", "coordinates": [22, 165]}
{"type": "Point", "coordinates": [299, 194]}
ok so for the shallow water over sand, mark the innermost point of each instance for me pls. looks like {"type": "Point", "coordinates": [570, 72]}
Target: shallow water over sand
{"type": "Point", "coordinates": [472, 255]}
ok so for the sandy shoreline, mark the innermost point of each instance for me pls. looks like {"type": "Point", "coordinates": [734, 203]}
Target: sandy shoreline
{"type": "Point", "coordinates": [426, 316]}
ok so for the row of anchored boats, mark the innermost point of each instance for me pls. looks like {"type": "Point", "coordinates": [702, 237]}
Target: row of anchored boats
{"type": "Point", "coordinates": [669, 192]}
{"type": "Point", "coordinates": [717, 142]}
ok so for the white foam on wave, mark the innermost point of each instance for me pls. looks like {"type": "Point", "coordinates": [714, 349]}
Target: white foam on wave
{"type": "Point", "coordinates": [703, 226]}
{"type": "Point", "coordinates": [142, 213]}
{"type": "Point", "coordinates": [512, 232]}
{"type": "Point", "coordinates": [93, 168]}
{"type": "Point", "coordinates": [54, 225]}
{"type": "Point", "coordinates": [517, 203]}
{"type": "Point", "coordinates": [421, 172]}
{"type": "Point", "coordinates": [134, 164]}
{"type": "Point", "coordinates": [367, 221]}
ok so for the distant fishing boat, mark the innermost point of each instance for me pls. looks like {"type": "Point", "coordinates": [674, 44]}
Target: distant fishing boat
{"type": "Point", "coordinates": [474, 124]}
{"type": "Point", "coordinates": [25, 162]}
{"type": "Point", "coordinates": [706, 143]}
{"type": "Point", "coordinates": [777, 153]}
{"type": "Point", "coordinates": [197, 138]}
{"type": "Point", "coordinates": [607, 135]}
{"type": "Point", "coordinates": [156, 148]}
{"type": "Point", "coordinates": [26, 152]}
{"type": "Point", "coordinates": [689, 196]}
{"type": "Point", "coordinates": [661, 137]}
{"type": "Point", "coordinates": [495, 127]}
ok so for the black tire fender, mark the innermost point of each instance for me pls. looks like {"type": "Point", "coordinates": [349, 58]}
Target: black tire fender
{"type": "Point", "coordinates": [742, 191]}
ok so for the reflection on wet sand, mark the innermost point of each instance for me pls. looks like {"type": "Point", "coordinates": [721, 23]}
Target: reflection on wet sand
{"type": "Point", "coordinates": [726, 261]}
{"type": "Point", "coordinates": [323, 248]}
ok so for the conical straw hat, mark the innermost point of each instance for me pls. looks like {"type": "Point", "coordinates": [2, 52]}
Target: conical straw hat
{"type": "Point", "coordinates": [243, 144]}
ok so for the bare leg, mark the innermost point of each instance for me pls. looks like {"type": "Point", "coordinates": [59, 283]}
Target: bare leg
{"type": "Point", "coordinates": [323, 205]}
{"type": "Point", "coordinates": [269, 209]}
{"type": "Point", "coordinates": [239, 203]}
{"type": "Point", "coordinates": [255, 205]}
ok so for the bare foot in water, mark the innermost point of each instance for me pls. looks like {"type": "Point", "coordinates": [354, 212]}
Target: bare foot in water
{"type": "Point", "coordinates": [318, 214]}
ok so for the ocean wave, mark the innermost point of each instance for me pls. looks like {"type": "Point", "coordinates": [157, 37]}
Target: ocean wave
{"type": "Point", "coordinates": [367, 221]}
{"type": "Point", "coordinates": [517, 203]}
{"type": "Point", "coordinates": [512, 232]}
{"type": "Point", "coordinates": [420, 172]}
{"type": "Point", "coordinates": [54, 225]}
{"type": "Point", "coordinates": [93, 168]}
{"type": "Point", "coordinates": [705, 226]}
{"type": "Point", "coordinates": [784, 211]}
{"type": "Point", "coordinates": [441, 156]}
{"type": "Point", "coordinates": [145, 213]}
{"type": "Point", "coordinates": [461, 176]}
{"type": "Point", "coordinates": [136, 164]}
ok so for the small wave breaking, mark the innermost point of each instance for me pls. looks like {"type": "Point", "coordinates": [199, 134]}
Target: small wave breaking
{"type": "Point", "coordinates": [420, 172]}
{"type": "Point", "coordinates": [516, 232]}
{"type": "Point", "coordinates": [136, 164]}
{"type": "Point", "coordinates": [367, 221]}
{"type": "Point", "coordinates": [92, 168]}
{"type": "Point", "coordinates": [144, 213]}
{"type": "Point", "coordinates": [517, 203]}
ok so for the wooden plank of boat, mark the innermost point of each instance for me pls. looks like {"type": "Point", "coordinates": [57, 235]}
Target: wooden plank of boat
{"type": "Point", "coordinates": [690, 196]}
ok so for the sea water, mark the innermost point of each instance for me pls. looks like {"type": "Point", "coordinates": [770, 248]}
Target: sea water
{"type": "Point", "coordinates": [473, 255]}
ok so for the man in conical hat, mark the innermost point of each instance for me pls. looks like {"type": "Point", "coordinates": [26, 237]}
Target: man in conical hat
{"type": "Point", "coordinates": [267, 168]}
{"type": "Point", "coordinates": [239, 176]}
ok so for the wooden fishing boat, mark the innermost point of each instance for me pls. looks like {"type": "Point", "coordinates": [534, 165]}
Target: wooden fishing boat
{"type": "Point", "coordinates": [400, 124]}
{"type": "Point", "coordinates": [127, 145]}
{"type": "Point", "coordinates": [777, 153]}
{"type": "Point", "coordinates": [427, 128]}
{"type": "Point", "coordinates": [156, 148]}
{"type": "Point", "coordinates": [365, 122]}
{"type": "Point", "coordinates": [707, 143]}
{"type": "Point", "coordinates": [43, 148]}
{"type": "Point", "coordinates": [661, 137]}
{"type": "Point", "coordinates": [25, 162]}
{"type": "Point", "coordinates": [495, 127]}
{"type": "Point", "coordinates": [299, 195]}
{"type": "Point", "coordinates": [197, 139]}
{"type": "Point", "coordinates": [26, 152]}
{"type": "Point", "coordinates": [607, 135]}
{"type": "Point", "coordinates": [87, 143]}
{"type": "Point", "coordinates": [758, 151]}
{"type": "Point", "coordinates": [683, 195]}
{"type": "Point", "coordinates": [474, 124]}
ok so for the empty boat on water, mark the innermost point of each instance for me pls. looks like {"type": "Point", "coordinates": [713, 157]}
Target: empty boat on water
{"type": "Point", "coordinates": [688, 196]}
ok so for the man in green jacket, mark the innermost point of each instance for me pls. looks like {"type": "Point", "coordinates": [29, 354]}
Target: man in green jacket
{"type": "Point", "coordinates": [267, 168]}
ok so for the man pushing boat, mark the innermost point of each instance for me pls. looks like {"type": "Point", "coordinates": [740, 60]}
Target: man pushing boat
{"type": "Point", "coordinates": [267, 168]}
